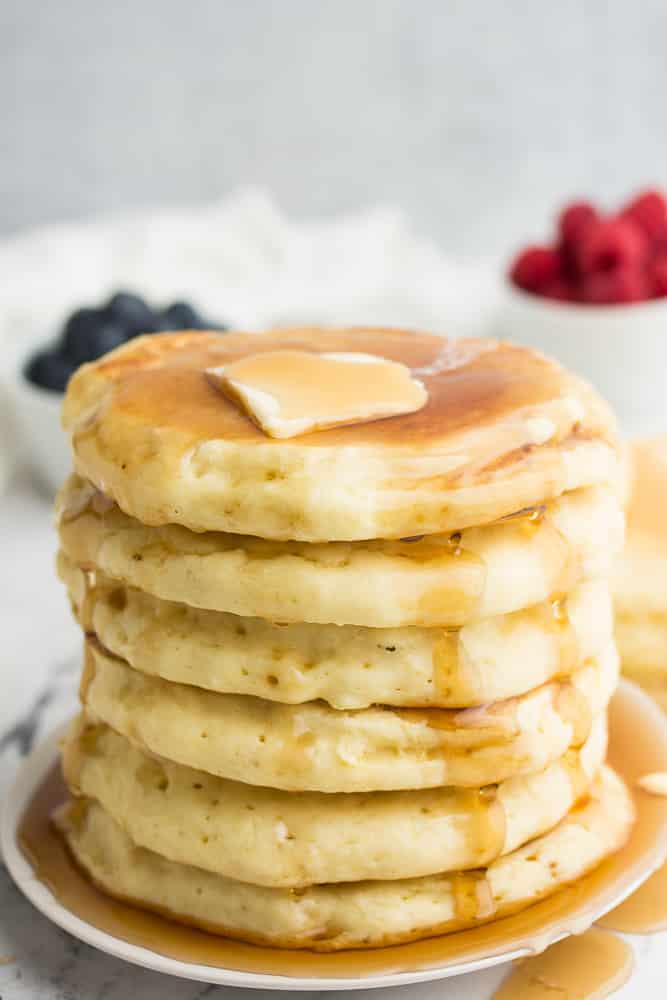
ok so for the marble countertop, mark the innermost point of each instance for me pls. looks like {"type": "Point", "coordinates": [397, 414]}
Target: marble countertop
{"type": "Point", "coordinates": [40, 665]}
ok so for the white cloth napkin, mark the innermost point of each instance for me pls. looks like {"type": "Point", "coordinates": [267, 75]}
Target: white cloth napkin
{"type": "Point", "coordinates": [242, 261]}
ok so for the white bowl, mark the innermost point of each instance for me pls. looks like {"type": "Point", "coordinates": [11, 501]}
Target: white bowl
{"type": "Point", "coordinates": [621, 349]}
{"type": "Point", "coordinates": [39, 441]}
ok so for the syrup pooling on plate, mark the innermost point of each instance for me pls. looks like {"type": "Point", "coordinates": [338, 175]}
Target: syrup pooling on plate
{"type": "Point", "coordinates": [645, 912]}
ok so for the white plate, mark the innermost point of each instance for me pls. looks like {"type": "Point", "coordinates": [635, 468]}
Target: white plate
{"type": "Point", "coordinates": [613, 883]}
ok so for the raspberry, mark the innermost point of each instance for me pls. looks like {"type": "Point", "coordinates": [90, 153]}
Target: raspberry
{"type": "Point", "coordinates": [535, 267]}
{"type": "Point", "coordinates": [575, 220]}
{"type": "Point", "coordinates": [659, 241]}
{"type": "Point", "coordinates": [658, 275]}
{"type": "Point", "coordinates": [610, 244]}
{"type": "Point", "coordinates": [627, 283]}
{"type": "Point", "coordinates": [559, 289]}
{"type": "Point", "coordinates": [648, 211]}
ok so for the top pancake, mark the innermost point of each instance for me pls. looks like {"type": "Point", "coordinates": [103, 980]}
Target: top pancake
{"type": "Point", "coordinates": [503, 428]}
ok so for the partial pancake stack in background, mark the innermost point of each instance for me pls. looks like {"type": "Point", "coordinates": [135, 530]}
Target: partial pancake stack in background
{"type": "Point", "coordinates": [350, 688]}
{"type": "Point", "coordinates": [640, 581]}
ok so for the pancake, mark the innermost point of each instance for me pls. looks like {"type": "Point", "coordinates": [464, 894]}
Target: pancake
{"type": "Point", "coordinates": [317, 748]}
{"type": "Point", "coordinates": [640, 583]}
{"type": "Point", "coordinates": [446, 580]}
{"type": "Point", "coordinates": [640, 580]}
{"type": "Point", "coordinates": [353, 914]}
{"type": "Point", "coordinates": [344, 665]}
{"type": "Point", "coordinates": [642, 643]}
{"type": "Point", "coordinates": [503, 428]}
{"type": "Point", "coordinates": [288, 839]}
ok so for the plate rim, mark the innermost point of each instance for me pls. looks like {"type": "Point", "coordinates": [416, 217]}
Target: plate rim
{"type": "Point", "coordinates": [41, 759]}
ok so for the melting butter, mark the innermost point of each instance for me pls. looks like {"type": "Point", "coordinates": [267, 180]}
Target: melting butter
{"type": "Point", "coordinates": [287, 393]}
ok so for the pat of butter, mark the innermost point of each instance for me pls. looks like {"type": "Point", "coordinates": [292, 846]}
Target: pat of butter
{"type": "Point", "coordinates": [287, 393]}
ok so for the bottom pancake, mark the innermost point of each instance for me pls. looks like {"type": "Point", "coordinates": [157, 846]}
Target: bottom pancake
{"type": "Point", "coordinates": [350, 915]}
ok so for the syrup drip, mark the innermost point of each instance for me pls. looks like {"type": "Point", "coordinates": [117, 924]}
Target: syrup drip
{"type": "Point", "coordinates": [483, 814]}
{"type": "Point", "coordinates": [574, 708]}
{"type": "Point", "coordinates": [485, 725]}
{"type": "Point", "coordinates": [559, 624]}
{"type": "Point", "coordinates": [536, 524]}
{"type": "Point", "coordinates": [472, 894]}
{"type": "Point", "coordinates": [84, 499]}
{"type": "Point", "coordinates": [460, 595]}
{"type": "Point", "coordinates": [452, 672]}
{"type": "Point", "coordinates": [589, 966]}
{"type": "Point", "coordinates": [88, 600]}
{"type": "Point", "coordinates": [531, 516]}
{"type": "Point", "coordinates": [579, 778]}
{"type": "Point", "coordinates": [447, 665]}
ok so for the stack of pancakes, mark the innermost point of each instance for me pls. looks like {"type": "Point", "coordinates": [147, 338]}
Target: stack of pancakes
{"type": "Point", "coordinates": [350, 688]}
{"type": "Point", "coordinates": [640, 581]}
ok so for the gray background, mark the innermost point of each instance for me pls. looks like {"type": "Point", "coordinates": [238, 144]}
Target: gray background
{"type": "Point", "coordinates": [476, 117]}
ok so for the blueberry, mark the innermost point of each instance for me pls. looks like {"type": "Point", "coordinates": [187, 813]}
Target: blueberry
{"type": "Point", "coordinates": [90, 333]}
{"type": "Point", "coordinates": [50, 370]}
{"type": "Point", "coordinates": [108, 336]}
{"type": "Point", "coordinates": [132, 314]}
{"type": "Point", "coordinates": [78, 335]}
{"type": "Point", "coordinates": [181, 316]}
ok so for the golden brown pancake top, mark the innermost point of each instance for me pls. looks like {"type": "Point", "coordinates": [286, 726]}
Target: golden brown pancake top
{"type": "Point", "coordinates": [159, 381]}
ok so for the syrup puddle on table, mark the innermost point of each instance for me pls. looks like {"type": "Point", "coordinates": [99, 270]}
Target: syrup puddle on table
{"type": "Point", "coordinates": [637, 746]}
{"type": "Point", "coordinates": [589, 966]}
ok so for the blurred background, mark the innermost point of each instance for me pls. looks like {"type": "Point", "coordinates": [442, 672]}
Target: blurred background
{"type": "Point", "coordinates": [476, 118]}
{"type": "Point", "coordinates": [364, 161]}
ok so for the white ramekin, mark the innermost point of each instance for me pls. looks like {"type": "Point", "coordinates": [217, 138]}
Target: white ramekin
{"type": "Point", "coordinates": [621, 349]}
{"type": "Point", "coordinates": [38, 439]}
